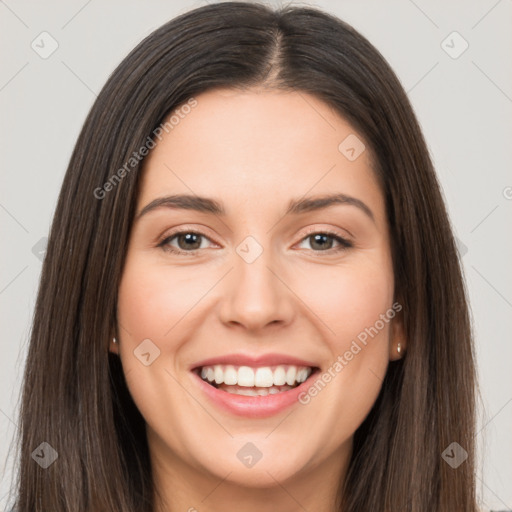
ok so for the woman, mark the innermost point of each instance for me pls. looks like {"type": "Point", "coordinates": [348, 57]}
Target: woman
{"type": "Point", "coordinates": [251, 293]}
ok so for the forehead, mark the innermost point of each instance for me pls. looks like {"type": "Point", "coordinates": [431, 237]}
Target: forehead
{"type": "Point", "coordinates": [246, 146]}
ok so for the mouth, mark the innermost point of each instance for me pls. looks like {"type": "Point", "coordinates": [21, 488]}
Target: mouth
{"type": "Point", "coordinates": [255, 381]}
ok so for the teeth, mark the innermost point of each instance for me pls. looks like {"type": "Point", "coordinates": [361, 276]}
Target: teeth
{"type": "Point", "coordinates": [245, 376]}
{"type": "Point", "coordinates": [261, 377]}
{"type": "Point", "coordinates": [218, 375]}
{"type": "Point", "coordinates": [255, 392]}
{"type": "Point", "coordinates": [302, 375]}
{"type": "Point", "coordinates": [279, 376]}
{"type": "Point", "coordinates": [230, 375]}
{"type": "Point", "coordinates": [291, 373]}
{"type": "Point", "coordinates": [264, 378]}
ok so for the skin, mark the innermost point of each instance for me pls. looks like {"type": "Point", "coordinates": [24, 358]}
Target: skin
{"type": "Point", "coordinates": [254, 151]}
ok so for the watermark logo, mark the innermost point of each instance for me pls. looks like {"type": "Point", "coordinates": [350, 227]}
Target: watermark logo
{"type": "Point", "coordinates": [249, 249]}
{"type": "Point", "coordinates": [138, 156]}
{"type": "Point", "coordinates": [454, 455]}
{"type": "Point", "coordinates": [344, 359]}
{"type": "Point", "coordinates": [249, 455]}
{"type": "Point", "coordinates": [45, 455]}
{"type": "Point", "coordinates": [461, 247]}
{"type": "Point", "coordinates": [39, 249]}
{"type": "Point", "coordinates": [351, 147]}
{"type": "Point", "coordinates": [454, 45]}
{"type": "Point", "coordinates": [146, 352]}
{"type": "Point", "coordinates": [44, 45]}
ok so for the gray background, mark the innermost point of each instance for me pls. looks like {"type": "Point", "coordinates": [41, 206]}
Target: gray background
{"type": "Point", "coordinates": [464, 105]}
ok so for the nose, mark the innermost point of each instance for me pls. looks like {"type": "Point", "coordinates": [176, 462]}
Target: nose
{"type": "Point", "coordinates": [257, 294]}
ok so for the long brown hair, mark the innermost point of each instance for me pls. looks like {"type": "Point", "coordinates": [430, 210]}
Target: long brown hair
{"type": "Point", "coordinates": [74, 393]}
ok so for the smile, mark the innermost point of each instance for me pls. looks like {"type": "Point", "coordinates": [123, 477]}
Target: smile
{"type": "Point", "coordinates": [254, 391]}
{"type": "Point", "coordinates": [248, 381]}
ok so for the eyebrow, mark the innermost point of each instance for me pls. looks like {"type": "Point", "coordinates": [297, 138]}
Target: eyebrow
{"type": "Point", "coordinates": [295, 207]}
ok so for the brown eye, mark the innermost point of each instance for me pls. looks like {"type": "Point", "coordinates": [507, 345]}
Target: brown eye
{"type": "Point", "coordinates": [321, 241]}
{"type": "Point", "coordinates": [325, 241]}
{"type": "Point", "coordinates": [183, 242]}
{"type": "Point", "coordinates": [189, 241]}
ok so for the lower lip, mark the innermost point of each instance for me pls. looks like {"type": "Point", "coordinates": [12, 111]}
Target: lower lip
{"type": "Point", "coordinates": [254, 406]}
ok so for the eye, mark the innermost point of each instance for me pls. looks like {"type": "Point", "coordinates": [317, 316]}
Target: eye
{"type": "Point", "coordinates": [189, 241]}
{"type": "Point", "coordinates": [186, 242]}
{"type": "Point", "coordinates": [323, 241]}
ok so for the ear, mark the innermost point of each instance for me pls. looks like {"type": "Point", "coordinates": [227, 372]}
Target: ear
{"type": "Point", "coordinates": [397, 338]}
{"type": "Point", "coordinates": [113, 347]}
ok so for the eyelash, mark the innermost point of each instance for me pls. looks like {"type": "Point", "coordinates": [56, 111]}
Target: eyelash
{"type": "Point", "coordinates": [344, 244]}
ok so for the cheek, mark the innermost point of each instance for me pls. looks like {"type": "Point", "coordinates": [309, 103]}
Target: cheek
{"type": "Point", "coordinates": [348, 298]}
{"type": "Point", "coordinates": [150, 307]}
{"type": "Point", "coordinates": [354, 304]}
{"type": "Point", "coordinates": [150, 304]}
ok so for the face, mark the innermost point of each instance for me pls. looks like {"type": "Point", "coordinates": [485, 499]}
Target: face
{"type": "Point", "coordinates": [257, 287]}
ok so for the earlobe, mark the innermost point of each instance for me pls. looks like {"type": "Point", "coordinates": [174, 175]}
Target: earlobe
{"type": "Point", "coordinates": [397, 345]}
{"type": "Point", "coordinates": [397, 350]}
{"type": "Point", "coordinates": [114, 346]}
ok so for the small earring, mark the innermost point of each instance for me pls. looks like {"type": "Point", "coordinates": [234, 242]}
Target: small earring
{"type": "Point", "coordinates": [399, 348]}
{"type": "Point", "coordinates": [114, 340]}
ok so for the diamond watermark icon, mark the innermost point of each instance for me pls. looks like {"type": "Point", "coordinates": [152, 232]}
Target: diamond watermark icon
{"type": "Point", "coordinates": [249, 249]}
{"type": "Point", "coordinates": [249, 455]}
{"type": "Point", "coordinates": [39, 249]}
{"type": "Point", "coordinates": [461, 247]}
{"type": "Point", "coordinates": [351, 147]}
{"type": "Point", "coordinates": [44, 45]}
{"type": "Point", "coordinates": [454, 45]}
{"type": "Point", "coordinates": [454, 455]}
{"type": "Point", "coordinates": [45, 455]}
{"type": "Point", "coordinates": [146, 352]}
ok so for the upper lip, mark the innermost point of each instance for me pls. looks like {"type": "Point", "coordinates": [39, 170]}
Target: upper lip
{"type": "Point", "coordinates": [254, 360]}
